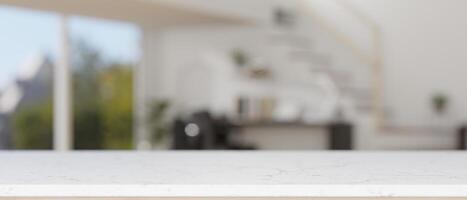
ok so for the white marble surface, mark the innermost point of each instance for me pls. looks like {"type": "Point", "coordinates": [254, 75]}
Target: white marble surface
{"type": "Point", "coordinates": [233, 174]}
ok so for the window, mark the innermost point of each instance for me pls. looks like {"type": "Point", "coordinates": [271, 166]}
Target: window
{"type": "Point", "coordinates": [26, 78]}
{"type": "Point", "coordinates": [103, 57]}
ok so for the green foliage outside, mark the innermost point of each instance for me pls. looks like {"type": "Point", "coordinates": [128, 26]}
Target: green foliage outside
{"type": "Point", "coordinates": [33, 127]}
{"type": "Point", "coordinates": [117, 107]}
{"type": "Point", "coordinates": [102, 107]}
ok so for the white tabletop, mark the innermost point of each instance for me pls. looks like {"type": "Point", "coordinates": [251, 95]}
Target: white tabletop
{"type": "Point", "coordinates": [233, 174]}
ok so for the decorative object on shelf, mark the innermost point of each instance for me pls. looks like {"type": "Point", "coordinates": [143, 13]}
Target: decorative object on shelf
{"type": "Point", "coordinates": [240, 57]}
{"type": "Point", "coordinates": [157, 121]}
{"type": "Point", "coordinates": [268, 106]}
{"type": "Point", "coordinates": [258, 69]}
{"type": "Point", "coordinates": [259, 73]}
{"type": "Point", "coordinates": [242, 108]}
{"type": "Point", "coordinates": [440, 103]}
{"type": "Point", "coordinates": [283, 17]}
{"type": "Point", "coordinates": [256, 109]}
{"type": "Point", "coordinates": [287, 111]}
{"type": "Point", "coordinates": [252, 67]}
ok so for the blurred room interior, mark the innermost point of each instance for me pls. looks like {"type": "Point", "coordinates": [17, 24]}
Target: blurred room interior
{"type": "Point", "coordinates": [233, 75]}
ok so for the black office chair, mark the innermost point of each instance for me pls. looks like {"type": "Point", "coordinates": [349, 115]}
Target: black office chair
{"type": "Point", "coordinates": [202, 131]}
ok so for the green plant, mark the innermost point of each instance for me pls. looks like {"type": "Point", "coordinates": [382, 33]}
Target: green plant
{"type": "Point", "coordinates": [440, 102]}
{"type": "Point", "coordinates": [157, 120]}
{"type": "Point", "coordinates": [240, 58]}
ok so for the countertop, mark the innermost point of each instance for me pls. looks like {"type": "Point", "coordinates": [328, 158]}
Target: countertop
{"type": "Point", "coordinates": [233, 174]}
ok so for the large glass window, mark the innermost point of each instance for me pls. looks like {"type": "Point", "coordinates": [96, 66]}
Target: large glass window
{"type": "Point", "coordinates": [104, 54]}
{"type": "Point", "coordinates": [28, 44]}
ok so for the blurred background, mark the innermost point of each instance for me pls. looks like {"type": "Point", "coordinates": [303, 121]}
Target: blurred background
{"type": "Point", "coordinates": [233, 75]}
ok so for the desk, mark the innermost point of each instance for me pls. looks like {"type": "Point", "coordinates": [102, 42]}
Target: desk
{"type": "Point", "coordinates": [337, 136]}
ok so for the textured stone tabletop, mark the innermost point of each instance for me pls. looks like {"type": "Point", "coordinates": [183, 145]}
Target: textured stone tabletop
{"type": "Point", "coordinates": [233, 174]}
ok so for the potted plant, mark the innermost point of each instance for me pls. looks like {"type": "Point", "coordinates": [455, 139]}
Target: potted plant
{"type": "Point", "coordinates": [240, 57]}
{"type": "Point", "coordinates": [440, 102]}
{"type": "Point", "coordinates": [157, 121]}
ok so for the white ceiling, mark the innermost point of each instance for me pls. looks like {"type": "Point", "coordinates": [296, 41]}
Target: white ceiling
{"type": "Point", "coordinates": [143, 12]}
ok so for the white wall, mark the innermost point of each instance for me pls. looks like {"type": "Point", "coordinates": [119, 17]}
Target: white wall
{"type": "Point", "coordinates": [425, 49]}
